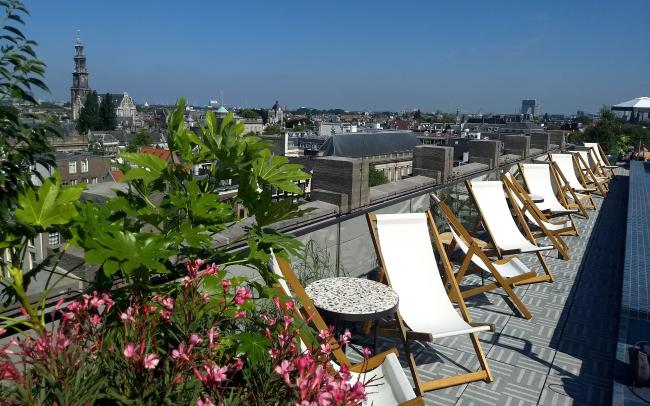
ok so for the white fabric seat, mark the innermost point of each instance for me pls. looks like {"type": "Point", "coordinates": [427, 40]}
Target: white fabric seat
{"type": "Point", "coordinates": [510, 269]}
{"type": "Point", "coordinates": [596, 150]}
{"type": "Point", "coordinates": [496, 216]}
{"type": "Point", "coordinates": [412, 270]}
{"type": "Point", "coordinates": [564, 163]}
{"type": "Point", "coordinates": [538, 180]}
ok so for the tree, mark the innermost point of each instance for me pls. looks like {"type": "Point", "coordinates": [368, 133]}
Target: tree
{"type": "Point", "coordinates": [107, 116]}
{"type": "Point", "coordinates": [141, 139]}
{"type": "Point", "coordinates": [264, 113]}
{"type": "Point", "coordinates": [376, 177]}
{"type": "Point", "coordinates": [608, 133]}
{"type": "Point", "coordinates": [89, 114]}
{"type": "Point", "coordinates": [249, 113]}
{"type": "Point", "coordinates": [272, 129]}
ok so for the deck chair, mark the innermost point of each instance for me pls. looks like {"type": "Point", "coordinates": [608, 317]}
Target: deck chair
{"type": "Point", "coordinates": [588, 171]}
{"type": "Point", "coordinates": [542, 225]}
{"type": "Point", "coordinates": [540, 180]}
{"type": "Point", "coordinates": [507, 272]}
{"type": "Point", "coordinates": [507, 239]}
{"type": "Point", "coordinates": [389, 386]}
{"type": "Point", "coordinates": [572, 190]}
{"type": "Point", "coordinates": [408, 264]}
{"type": "Point", "coordinates": [601, 157]}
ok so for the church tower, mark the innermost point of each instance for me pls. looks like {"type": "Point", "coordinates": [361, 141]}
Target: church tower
{"type": "Point", "coordinates": [79, 89]}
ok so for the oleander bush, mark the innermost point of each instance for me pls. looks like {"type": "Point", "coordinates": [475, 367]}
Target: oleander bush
{"type": "Point", "coordinates": [158, 325]}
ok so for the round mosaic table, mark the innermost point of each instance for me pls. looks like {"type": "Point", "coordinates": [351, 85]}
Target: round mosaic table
{"type": "Point", "coordinates": [353, 299]}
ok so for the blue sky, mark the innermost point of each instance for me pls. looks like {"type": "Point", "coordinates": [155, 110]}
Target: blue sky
{"type": "Point", "coordinates": [367, 55]}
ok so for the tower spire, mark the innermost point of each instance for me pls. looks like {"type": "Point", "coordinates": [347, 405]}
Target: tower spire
{"type": "Point", "coordinates": [79, 89]}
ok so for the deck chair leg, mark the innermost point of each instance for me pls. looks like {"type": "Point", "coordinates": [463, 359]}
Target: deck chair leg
{"type": "Point", "coordinates": [544, 266]}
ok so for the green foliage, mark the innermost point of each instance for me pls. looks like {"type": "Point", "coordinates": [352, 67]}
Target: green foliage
{"type": "Point", "coordinates": [272, 129]}
{"type": "Point", "coordinates": [107, 115]}
{"type": "Point", "coordinates": [608, 132]}
{"type": "Point", "coordinates": [376, 177]}
{"type": "Point", "coordinates": [141, 139]}
{"type": "Point", "coordinates": [167, 210]}
{"type": "Point", "coordinates": [89, 114]}
{"type": "Point", "coordinates": [249, 113]}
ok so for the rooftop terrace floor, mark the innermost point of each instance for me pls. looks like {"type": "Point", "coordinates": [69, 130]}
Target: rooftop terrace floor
{"type": "Point", "coordinates": [565, 354]}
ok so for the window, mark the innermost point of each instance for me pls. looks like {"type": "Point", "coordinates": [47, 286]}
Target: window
{"type": "Point", "coordinates": [84, 166]}
{"type": "Point", "coordinates": [72, 167]}
{"type": "Point", "coordinates": [54, 239]}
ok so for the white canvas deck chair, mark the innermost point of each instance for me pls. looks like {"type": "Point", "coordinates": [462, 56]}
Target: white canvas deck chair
{"type": "Point", "coordinates": [507, 239]}
{"type": "Point", "coordinates": [389, 385]}
{"type": "Point", "coordinates": [600, 155]}
{"type": "Point", "coordinates": [408, 264]}
{"type": "Point", "coordinates": [541, 180]}
{"type": "Point", "coordinates": [588, 170]}
{"type": "Point", "coordinates": [572, 190]}
{"type": "Point", "coordinates": [542, 225]}
{"type": "Point", "coordinates": [507, 272]}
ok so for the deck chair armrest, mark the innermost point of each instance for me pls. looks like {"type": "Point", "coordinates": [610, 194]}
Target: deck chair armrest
{"type": "Point", "coordinates": [417, 401]}
{"type": "Point", "coordinates": [373, 362]}
{"type": "Point", "coordinates": [491, 325]}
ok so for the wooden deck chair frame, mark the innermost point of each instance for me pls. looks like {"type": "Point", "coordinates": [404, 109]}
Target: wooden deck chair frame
{"type": "Point", "coordinates": [599, 169]}
{"type": "Point", "coordinates": [554, 180]}
{"type": "Point", "coordinates": [595, 168]}
{"type": "Point", "coordinates": [588, 177]}
{"type": "Point", "coordinates": [565, 190]}
{"type": "Point", "coordinates": [483, 374]}
{"type": "Point", "coordinates": [309, 314]}
{"type": "Point", "coordinates": [507, 284]}
{"type": "Point", "coordinates": [555, 237]}
{"type": "Point", "coordinates": [547, 277]}
{"type": "Point", "coordinates": [598, 149]}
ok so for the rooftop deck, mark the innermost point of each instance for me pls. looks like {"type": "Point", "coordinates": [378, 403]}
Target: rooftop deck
{"type": "Point", "coordinates": [563, 356]}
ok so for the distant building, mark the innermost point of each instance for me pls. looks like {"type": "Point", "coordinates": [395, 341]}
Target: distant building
{"type": "Point", "coordinates": [530, 108]}
{"type": "Point", "coordinates": [124, 106]}
{"type": "Point", "coordinates": [276, 114]}
{"type": "Point", "coordinates": [326, 129]}
{"type": "Point", "coordinates": [79, 89]}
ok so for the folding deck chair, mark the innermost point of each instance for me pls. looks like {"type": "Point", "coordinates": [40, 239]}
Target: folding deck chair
{"type": "Point", "coordinates": [489, 199]}
{"type": "Point", "coordinates": [587, 170]}
{"type": "Point", "coordinates": [507, 272]}
{"type": "Point", "coordinates": [408, 264]}
{"type": "Point", "coordinates": [389, 386]}
{"type": "Point", "coordinates": [543, 226]}
{"type": "Point", "coordinates": [573, 193]}
{"type": "Point", "coordinates": [601, 157]}
{"type": "Point", "coordinates": [540, 180]}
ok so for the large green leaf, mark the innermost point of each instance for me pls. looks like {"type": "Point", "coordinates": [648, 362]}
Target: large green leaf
{"type": "Point", "coordinates": [51, 204]}
{"type": "Point", "coordinates": [277, 171]}
{"type": "Point", "coordinates": [148, 167]}
{"type": "Point", "coordinates": [253, 346]}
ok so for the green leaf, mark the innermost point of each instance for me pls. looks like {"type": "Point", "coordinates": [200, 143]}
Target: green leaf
{"type": "Point", "coordinates": [277, 171]}
{"type": "Point", "coordinates": [51, 204]}
{"type": "Point", "coordinates": [253, 346]}
{"type": "Point", "coordinates": [148, 167]}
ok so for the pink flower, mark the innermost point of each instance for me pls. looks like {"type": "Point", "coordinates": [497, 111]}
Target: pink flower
{"type": "Point", "coordinates": [95, 319]}
{"type": "Point", "coordinates": [213, 374]}
{"type": "Point", "coordinates": [239, 364]}
{"type": "Point", "coordinates": [206, 402]}
{"type": "Point", "coordinates": [180, 352]}
{"type": "Point", "coordinates": [290, 305]}
{"type": "Point", "coordinates": [326, 348]}
{"type": "Point", "coordinates": [212, 333]}
{"type": "Point", "coordinates": [242, 294]}
{"type": "Point", "coordinates": [195, 340]}
{"type": "Point", "coordinates": [240, 314]}
{"type": "Point", "coordinates": [168, 303]}
{"type": "Point", "coordinates": [326, 334]}
{"type": "Point", "coordinates": [211, 269]}
{"type": "Point", "coordinates": [151, 360]}
{"type": "Point", "coordinates": [129, 350]}
{"type": "Point", "coordinates": [127, 315]}
{"type": "Point", "coordinates": [345, 338]}
{"type": "Point", "coordinates": [206, 297]}
{"type": "Point", "coordinates": [366, 352]}
{"type": "Point", "coordinates": [225, 283]}
{"type": "Point", "coordinates": [283, 370]}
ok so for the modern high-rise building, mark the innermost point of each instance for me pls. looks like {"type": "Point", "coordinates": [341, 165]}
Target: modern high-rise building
{"type": "Point", "coordinates": [530, 107]}
{"type": "Point", "coordinates": [79, 89]}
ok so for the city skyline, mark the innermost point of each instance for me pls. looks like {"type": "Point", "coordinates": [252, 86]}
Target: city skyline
{"type": "Point", "coordinates": [366, 56]}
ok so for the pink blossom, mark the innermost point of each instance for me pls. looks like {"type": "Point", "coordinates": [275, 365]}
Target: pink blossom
{"type": "Point", "coordinates": [239, 364]}
{"type": "Point", "coordinates": [225, 283]}
{"type": "Point", "coordinates": [180, 352]}
{"type": "Point", "coordinates": [211, 269]}
{"type": "Point", "coordinates": [127, 315]}
{"type": "Point", "coordinates": [213, 374]}
{"type": "Point", "coordinates": [206, 402]}
{"type": "Point", "coordinates": [240, 314]}
{"type": "Point", "coordinates": [195, 340]}
{"type": "Point", "coordinates": [345, 338]}
{"type": "Point", "coordinates": [95, 319]}
{"type": "Point", "coordinates": [168, 302]}
{"type": "Point", "coordinates": [129, 350]}
{"type": "Point", "coordinates": [206, 297]}
{"type": "Point", "coordinates": [212, 333]}
{"type": "Point", "coordinates": [290, 305]}
{"type": "Point", "coordinates": [326, 348]}
{"type": "Point", "coordinates": [366, 352]}
{"type": "Point", "coordinates": [242, 294]}
{"type": "Point", "coordinates": [283, 370]}
{"type": "Point", "coordinates": [151, 361]}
